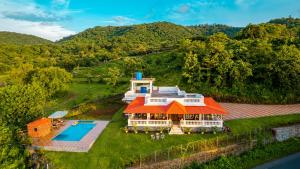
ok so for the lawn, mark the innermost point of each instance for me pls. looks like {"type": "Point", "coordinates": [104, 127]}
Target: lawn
{"type": "Point", "coordinates": [245, 125]}
{"type": "Point", "coordinates": [115, 149]}
{"type": "Point", "coordinates": [83, 92]}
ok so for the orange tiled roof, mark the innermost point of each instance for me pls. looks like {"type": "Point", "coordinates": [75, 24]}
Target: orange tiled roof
{"type": "Point", "coordinates": [211, 107]}
{"type": "Point", "coordinates": [176, 108]}
{"type": "Point", "coordinates": [39, 122]}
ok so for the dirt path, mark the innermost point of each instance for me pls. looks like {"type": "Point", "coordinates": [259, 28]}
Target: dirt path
{"type": "Point", "coordinates": [241, 111]}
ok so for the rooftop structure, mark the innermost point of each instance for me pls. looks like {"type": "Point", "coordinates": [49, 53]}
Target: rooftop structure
{"type": "Point", "coordinates": [168, 106]}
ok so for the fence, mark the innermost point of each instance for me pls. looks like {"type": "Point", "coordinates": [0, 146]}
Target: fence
{"type": "Point", "coordinates": [204, 150]}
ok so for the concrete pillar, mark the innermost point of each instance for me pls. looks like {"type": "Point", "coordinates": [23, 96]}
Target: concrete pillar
{"type": "Point", "coordinates": [148, 116]}
{"type": "Point", "coordinates": [131, 86]}
{"type": "Point", "coordinates": [150, 86]}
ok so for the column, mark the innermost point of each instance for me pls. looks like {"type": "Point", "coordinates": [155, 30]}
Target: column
{"type": "Point", "coordinates": [148, 118]}
{"type": "Point", "coordinates": [150, 86]}
{"type": "Point", "coordinates": [131, 85]}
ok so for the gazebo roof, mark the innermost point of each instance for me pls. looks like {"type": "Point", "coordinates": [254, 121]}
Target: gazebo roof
{"type": "Point", "coordinates": [58, 114]}
{"type": "Point", "coordinates": [39, 122]}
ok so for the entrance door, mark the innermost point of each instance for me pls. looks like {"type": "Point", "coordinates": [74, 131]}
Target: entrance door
{"type": "Point", "coordinates": [176, 117]}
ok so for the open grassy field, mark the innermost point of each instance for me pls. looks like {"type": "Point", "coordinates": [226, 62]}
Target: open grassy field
{"type": "Point", "coordinates": [115, 149]}
{"type": "Point", "coordinates": [245, 125]}
{"type": "Point", "coordinates": [83, 92]}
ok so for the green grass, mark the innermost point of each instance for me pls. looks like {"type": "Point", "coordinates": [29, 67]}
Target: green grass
{"type": "Point", "coordinates": [115, 149]}
{"type": "Point", "coordinates": [246, 125]}
{"type": "Point", "coordinates": [82, 92]}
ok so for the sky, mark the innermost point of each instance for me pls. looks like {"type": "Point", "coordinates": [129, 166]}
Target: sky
{"type": "Point", "coordinates": [55, 19]}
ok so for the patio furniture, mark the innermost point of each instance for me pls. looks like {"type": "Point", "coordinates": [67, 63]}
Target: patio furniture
{"type": "Point", "coordinates": [157, 136]}
{"type": "Point", "coordinates": [152, 136]}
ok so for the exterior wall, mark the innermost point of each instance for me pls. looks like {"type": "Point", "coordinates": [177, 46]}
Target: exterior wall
{"type": "Point", "coordinates": [39, 130]}
{"type": "Point", "coordinates": [284, 133]}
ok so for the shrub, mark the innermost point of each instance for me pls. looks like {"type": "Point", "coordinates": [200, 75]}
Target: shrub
{"type": "Point", "coordinates": [82, 109]}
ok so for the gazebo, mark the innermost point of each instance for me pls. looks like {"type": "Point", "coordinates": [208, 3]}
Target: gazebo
{"type": "Point", "coordinates": [39, 128]}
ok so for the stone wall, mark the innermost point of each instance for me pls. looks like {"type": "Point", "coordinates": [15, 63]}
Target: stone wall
{"type": "Point", "coordinates": [284, 133]}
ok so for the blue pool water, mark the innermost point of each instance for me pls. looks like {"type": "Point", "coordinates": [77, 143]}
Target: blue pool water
{"type": "Point", "coordinates": [76, 132]}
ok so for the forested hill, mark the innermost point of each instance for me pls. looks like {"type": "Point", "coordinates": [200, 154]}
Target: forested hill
{"type": "Point", "coordinates": [289, 22]}
{"type": "Point", "coordinates": [260, 63]}
{"type": "Point", "coordinates": [142, 38]}
{"type": "Point", "coordinates": [205, 29]}
{"type": "Point", "coordinates": [13, 38]}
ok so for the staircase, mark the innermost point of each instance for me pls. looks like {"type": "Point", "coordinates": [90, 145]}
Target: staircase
{"type": "Point", "coordinates": [175, 130]}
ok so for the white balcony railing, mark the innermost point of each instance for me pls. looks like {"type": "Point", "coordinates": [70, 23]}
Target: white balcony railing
{"type": "Point", "coordinates": [129, 96]}
{"type": "Point", "coordinates": [201, 123]}
{"type": "Point", "coordinates": [168, 123]}
{"type": "Point", "coordinates": [150, 123]}
{"type": "Point", "coordinates": [186, 101]}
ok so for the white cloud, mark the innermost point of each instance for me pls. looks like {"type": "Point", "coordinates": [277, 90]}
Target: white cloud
{"type": "Point", "coordinates": [183, 8]}
{"type": "Point", "coordinates": [49, 31]}
{"type": "Point", "coordinates": [120, 20]}
{"type": "Point", "coordinates": [31, 18]}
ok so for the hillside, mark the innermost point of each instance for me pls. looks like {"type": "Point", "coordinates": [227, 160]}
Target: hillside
{"type": "Point", "coordinates": [21, 39]}
{"type": "Point", "coordinates": [205, 29]}
{"type": "Point", "coordinates": [264, 57]}
{"type": "Point", "coordinates": [143, 38]}
{"type": "Point", "coordinates": [133, 39]}
{"type": "Point", "coordinates": [289, 22]}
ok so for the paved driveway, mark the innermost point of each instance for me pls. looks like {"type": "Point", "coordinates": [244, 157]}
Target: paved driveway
{"type": "Point", "coordinates": [241, 111]}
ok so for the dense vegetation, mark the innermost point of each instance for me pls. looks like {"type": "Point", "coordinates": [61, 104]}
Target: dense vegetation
{"type": "Point", "coordinates": [260, 64]}
{"type": "Point", "coordinates": [252, 158]}
{"type": "Point", "coordinates": [13, 38]}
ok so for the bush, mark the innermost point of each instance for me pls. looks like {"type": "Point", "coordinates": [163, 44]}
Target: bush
{"type": "Point", "coordinates": [82, 109]}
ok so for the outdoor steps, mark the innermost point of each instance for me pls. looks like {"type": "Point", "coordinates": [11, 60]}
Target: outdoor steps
{"type": "Point", "coordinates": [176, 130]}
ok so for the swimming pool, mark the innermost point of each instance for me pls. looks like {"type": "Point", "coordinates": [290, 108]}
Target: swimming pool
{"type": "Point", "coordinates": [75, 132]}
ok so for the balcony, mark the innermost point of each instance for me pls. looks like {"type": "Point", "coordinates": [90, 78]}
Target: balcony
{"type": "Point", "coordinates": [201, 123]}
{"type": "Point", "coordinates": [149, 123]}
{"type": "Point", "coordinates": [168, 123]}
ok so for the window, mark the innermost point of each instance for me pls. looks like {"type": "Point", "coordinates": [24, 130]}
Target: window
{"type": "Point", "coordinates": [35, 129]}
{"type": "Point", "coordinates": [158, 100]}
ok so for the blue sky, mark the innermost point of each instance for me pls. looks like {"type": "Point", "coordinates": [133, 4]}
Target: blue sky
{"type": "Point", "coordinates": [54, 19]}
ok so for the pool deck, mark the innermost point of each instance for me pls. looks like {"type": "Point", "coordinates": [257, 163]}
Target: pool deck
{"type": "Point", "coordinates": [83, 145]}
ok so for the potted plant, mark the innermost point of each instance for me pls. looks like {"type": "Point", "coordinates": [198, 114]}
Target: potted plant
{"type": "Point", "coordinates": [214, 129]}
{"type": "Point", "coordinates": [189, 130]}
{"type": "Point", "coordinates": [161, 129]}
{"type": "Point", "coordinates": [135, 128]}
{"type": "Point", "coordinates": [201, 130]}
{"type": "Point", "coordinates": [125, 129]}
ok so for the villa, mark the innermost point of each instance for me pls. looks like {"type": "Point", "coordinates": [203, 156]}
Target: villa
{"type": "Point", "coordinates": [154, 107]}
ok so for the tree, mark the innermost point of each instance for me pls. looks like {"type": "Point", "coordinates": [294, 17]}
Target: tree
{"type": "Point", "coordinates": [20, 104]}
{"type": "Point", "coordinates": [113, 76]}
{"type": "Point", "coordinates": [13, 154]}
{"type": "Point", "coordinates": [52, 79]}
{"type": "Point", "coordinates": [191, 68]}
